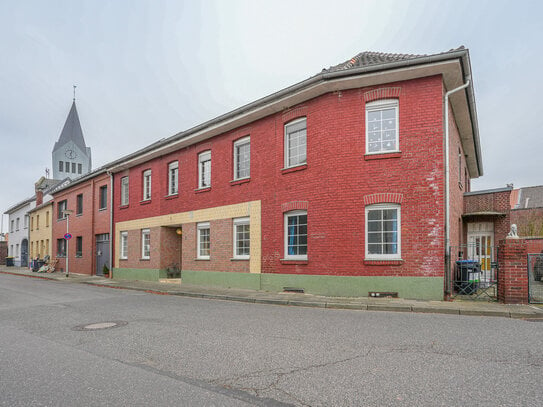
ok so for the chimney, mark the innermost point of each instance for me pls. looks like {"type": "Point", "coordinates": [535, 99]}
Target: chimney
{"type": "Point", "coordinates": [39, 197]}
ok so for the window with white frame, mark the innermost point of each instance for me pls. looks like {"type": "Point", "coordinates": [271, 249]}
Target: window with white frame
{"type": "Point", "coordinates": [61, 207]}
{"type": "Point", "coordinates": [173, 174]}
{"type": "Point", "coordinates": [12, 228]}
{"type": "Point", "coordinates": [124, 191]}
{"type": "Point", "coordinates": [296, 235]}
{"type": "Point", "coordinates": [203, 240]}
{"type": "Point", "coordinates": [383, 231]}
{"type": "Point", "coordinates": [382, 126]}
{"type": "Point", "coordinates": [146, 185]}
{"type": "Point", "coordinates": [242, 158]}
{"type": "Point", "coordinates": [296, 143]}
{"type": "Point", "coordinates": [145, 244]}
{"type": "Point", "coordinates": [124, 245]}
{"type": "Point", "coordinates": [242, 241]}
{"type": "Point", "coordinates": [204, 169]}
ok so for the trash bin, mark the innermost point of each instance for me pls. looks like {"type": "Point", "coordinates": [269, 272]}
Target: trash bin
{"type": "Point", "coordinates": [467, 276]}
{"type": "Point", "coordinates": [40, 263]}
{"type": "Point", "coordinates": [9, 262]}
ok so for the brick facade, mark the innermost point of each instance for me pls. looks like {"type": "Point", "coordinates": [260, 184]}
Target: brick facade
{"type": "Point", "coordinates": [513, 275]}
{"type": "Point", "coordinates": [529, 221]}
{"type": "Point", "coordinates": [333, 184]}
{"type": "Point", "coordinates": [3, 252]}
{"type": "Point", "coordinates": [490, 202]}
{"type": "Point", "coordinates": [91, 222]}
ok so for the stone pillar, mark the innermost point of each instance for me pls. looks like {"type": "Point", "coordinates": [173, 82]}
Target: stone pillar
{"type": "Point", "coordinates": [513, 271]}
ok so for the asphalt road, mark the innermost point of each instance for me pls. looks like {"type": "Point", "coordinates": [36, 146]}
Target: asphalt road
{"type": "Point", "coordinates": [195, 352]}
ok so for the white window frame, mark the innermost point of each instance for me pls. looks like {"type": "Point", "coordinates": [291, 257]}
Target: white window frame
{"type": "Point", "coordinates": [394, 256]}
{"type": "Point", "coordinates": [145, 234]}
{"type": "Point", "coordinates": [200, 227]}
{"type": "Point", "coordinates": [173, 178]}
{"type": "Point", "coordinates": [147, 185]}
{"type": "Point", "coordinates": [123, 244]}
{"type": "Point", "coordinates": [237, 144]}
{"type": "Point", "coordinates": [287, 139]}
{"type": "Point", "coordinates": [285, 221]}
{"type": "Point", "coordinates": [382, 105]}
{"type": "Point", "coordinates": [203, 157]}
{"type": "Point", "coordinates": [125, 189]}
{"type": "Point", "coordinates": [241, 222]}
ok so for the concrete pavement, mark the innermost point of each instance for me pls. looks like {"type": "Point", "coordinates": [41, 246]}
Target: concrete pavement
{"type": "Point", "coordinates": [456, 307]}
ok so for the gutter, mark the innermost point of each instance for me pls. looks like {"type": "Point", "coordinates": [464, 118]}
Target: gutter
{"type": "Point", "coordinates": [110, 224]}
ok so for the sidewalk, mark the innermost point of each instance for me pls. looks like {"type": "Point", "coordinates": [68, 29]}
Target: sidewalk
{"type": "Point", "coordinates": [457, 307]}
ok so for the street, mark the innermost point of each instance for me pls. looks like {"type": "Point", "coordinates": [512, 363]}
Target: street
{"type": "Point", "coordinates": [169, 350]}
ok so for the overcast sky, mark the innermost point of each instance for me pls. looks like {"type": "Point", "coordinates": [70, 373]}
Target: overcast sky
{"type": "Point", "coordinates": [145, 70]}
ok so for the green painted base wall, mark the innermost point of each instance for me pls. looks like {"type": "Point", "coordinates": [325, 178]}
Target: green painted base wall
{"type": "Point", "coordinates": [139, 274]}
{"type": "Point", "coordinates": [422, 288]}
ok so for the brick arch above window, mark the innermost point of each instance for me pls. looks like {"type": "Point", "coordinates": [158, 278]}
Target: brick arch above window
{"type": "Point", "coordinates": [384, 197]}
{"type": "Point", "coordinates": [382, 93]}
{"type": "Point", "coordinates": [295, 113]}
{"type": "Point", "coordinates": [294, 205]}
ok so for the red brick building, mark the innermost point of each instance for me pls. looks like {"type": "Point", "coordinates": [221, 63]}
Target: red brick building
{"type": "Point", "coordinates": [82, 208]}
{"type": "Point", "coordinates": [336, 185]}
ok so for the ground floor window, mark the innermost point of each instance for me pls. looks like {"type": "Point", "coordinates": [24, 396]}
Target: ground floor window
{"type": "Point", "coordinates": [61, 247]}
{"type": "Point", "coordinates": [124, 245]}
{"type": "Point", "coordinates": [296, 235]}
{"type": "Point", "coordinates": [383, 231]}
{"type": "Point", "coordinates": [204, 241]}
{"type": "Point", "coordinates": [146, 244]}
{"type": "Point", "coordinates": [79, 246]}
{"type": "Point", "coordinates": [241, 238]}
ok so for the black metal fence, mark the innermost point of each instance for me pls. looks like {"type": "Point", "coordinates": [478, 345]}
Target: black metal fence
{"type": "Point", "coordinates": [535, 278]}
{"type": "Point", "coordinates": [473, 272]}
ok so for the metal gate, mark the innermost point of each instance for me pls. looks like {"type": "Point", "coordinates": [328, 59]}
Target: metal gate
{"type": "Point", "coordinates": [473, 271]}
{"type": "Point", "coordinates": [535, 278]}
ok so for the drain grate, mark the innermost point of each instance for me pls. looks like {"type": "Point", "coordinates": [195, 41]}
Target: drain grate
{"type": "Point", "coordinates": [99, 326]}
{"type": "Point", "coordinates": [533, 319]}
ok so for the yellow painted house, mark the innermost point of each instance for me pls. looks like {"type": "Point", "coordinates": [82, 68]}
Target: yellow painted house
{"type": "Point", "coordinates": [41, 230]}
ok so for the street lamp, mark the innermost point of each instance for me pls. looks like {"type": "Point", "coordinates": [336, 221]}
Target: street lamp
{"type": "Point", "coordinates": [67, 236]}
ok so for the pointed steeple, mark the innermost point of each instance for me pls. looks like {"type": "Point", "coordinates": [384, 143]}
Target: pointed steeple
{"type": "Point", "coordinates": [72, 131]}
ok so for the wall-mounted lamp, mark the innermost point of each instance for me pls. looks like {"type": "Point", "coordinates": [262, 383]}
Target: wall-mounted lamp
{"type": "Point", "coordinates": [179, 231]}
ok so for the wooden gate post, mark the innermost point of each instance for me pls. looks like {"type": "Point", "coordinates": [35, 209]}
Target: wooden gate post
{"type": "Point", "coordinates": [513, 271]}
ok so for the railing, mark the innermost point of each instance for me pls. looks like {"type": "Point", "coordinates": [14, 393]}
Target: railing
{"type": "Point", "coordinates": [535, 278]}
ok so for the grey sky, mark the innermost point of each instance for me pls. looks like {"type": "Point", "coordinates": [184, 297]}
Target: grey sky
{"type": "Point", "coordinates": [148, 69]}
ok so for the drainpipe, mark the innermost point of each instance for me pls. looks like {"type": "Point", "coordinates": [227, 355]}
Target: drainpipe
{"type": "Point", "coordinates": [110, 224]}
{"type": "Point", "coordinates": [447, 181]}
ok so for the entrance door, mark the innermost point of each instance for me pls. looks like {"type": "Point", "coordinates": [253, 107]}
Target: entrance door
{"type": "Point", "coordinates": [24, 253]}
{"type": "Point", "coordinates": [481, 249]}
{"type": "Point", "coordinates": [102, 253]}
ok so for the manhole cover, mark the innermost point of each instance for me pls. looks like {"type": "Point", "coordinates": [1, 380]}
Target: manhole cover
{"type": "Point", "coordinates": [99, 325]}
{"type": "Point", "coordinates": [534, 319]}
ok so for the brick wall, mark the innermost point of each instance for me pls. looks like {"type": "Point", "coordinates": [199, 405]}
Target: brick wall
{"type": "Point", "coordinates": [513, 275]}
{"type": "Point", "coordinates": [529, 221]}
{"type": "Point", "coordinates": [334, 182]}
{"type": "Point", "coordinates": [490, 202]}
{"type": "Point", "coordinates": [535, 244]}
{"type": "Point", "coordinates": [3, 252]}
{"type": "Point", "coordinates": [91, 222]}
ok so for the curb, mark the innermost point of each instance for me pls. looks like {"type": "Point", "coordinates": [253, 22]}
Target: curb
{"type": "Point", "coordinates": [310, 304]}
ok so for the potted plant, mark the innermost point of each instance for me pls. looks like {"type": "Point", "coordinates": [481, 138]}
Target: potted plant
{"type": "Point", "coordinates": [105, 271]}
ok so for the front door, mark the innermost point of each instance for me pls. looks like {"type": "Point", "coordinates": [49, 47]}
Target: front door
{"type": "Point", "coordinates": [24, 253]}
{"type": "Point", "coordinates": [102, 253]}
{"type": "Point", "coordinates": [481, 249]}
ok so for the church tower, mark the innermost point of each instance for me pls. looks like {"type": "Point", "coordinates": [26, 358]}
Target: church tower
{"type": "Point", "coordinates": [71, 156]}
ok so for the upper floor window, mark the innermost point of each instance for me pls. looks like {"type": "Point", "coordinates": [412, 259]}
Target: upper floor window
{"type": "Point", "coordinates": [47, 219]}
{"type": "Point", "coordinates": [73, 168]}
{"type": "Point", "coordinates": [67, 166]}
{"type": "Point", "coordinates": [26, 222]}
{"type": "Point", "coordinates": [124, 191]}
{"type": "Point", "coordinates": [79, 168]}
{"type": "Point", "coordinates": [12, 228]}
{"type": "Point", "coordinates": [61, 166]}
{"type": "Point", "coordinates": [383, 230]}
{"type": "Point", "coordinates": [242, 158]}
{"type": "Point", "coordinates": [103, 197]}
{"type": "Point", "coordinates": [204, 169]}
{"type": "Point", "coordinates": [296, 143]}
{"type": "Point", "coordinates": [296, 235]}
{"type": "Point", "coordinates": [79, 206]}
{"type": "Point", "coordinates": [17, 224]}
{"type": "Point", "coordinates": [62, 206]}
{"type": "Point", "coordinates": [124, 245]}
{"type": "Point", "coordinates": [382, 126]}
{"type": "Point", "coordinates": [173, 175]}
{"type": "Point", "coordinates": [146, 185]}
{"type": "Point", "coordinates": [37, 222]}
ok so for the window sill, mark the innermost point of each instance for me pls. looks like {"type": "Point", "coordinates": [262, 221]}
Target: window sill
{"type": "Point", "coordinates": [78, 215]}
{"type": "Point", "coordinates": [383, 262]}
{"type": "Point", "coordinates": [145, 202]}
{"type": "Point", "coordinates": [102, 209]}
{"type": "Point", "coordinates": [200, 190]}
{"type": "Point", "coordinates": [171, 196]}
{"type": "Point", "coordinates": [460, 186]}
{"type": "Point", "coordinates": [381, 156]}
{"type": "Point", "coordinates": [288, 170]}
{"type": "Point", "coordinates": [201, 259]}
{"type": "Point", "coordinates": [239, 259]}
{"type": "Point", "coordinates": [124, 206]}
{"type": "Point", "coordinates": [147, 259]}
{"type": "Point", "coordinates": [123, 258]}
{"type": "Point", "coordinates": [292, 261]}
{"type": "Point", "coordinates": [240, 181]}
{"type": "Point", "coordinates": [78, 257]}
